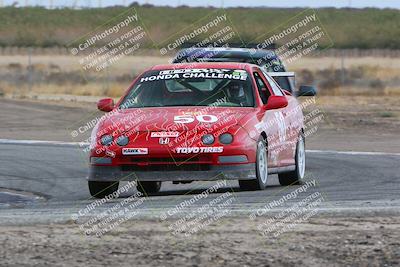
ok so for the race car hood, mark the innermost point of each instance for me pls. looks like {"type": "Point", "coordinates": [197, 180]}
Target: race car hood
{"type": "Point", "coordinates": [173, 118]}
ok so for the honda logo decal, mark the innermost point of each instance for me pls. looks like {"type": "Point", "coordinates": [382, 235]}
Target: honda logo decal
{"type": "Point", "coordinates": [163, 141]}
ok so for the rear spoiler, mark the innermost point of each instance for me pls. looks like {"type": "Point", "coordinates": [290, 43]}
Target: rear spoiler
{"type": "Point", "coordinates": [286, 80]}
{"type": "Point", "coordinates": [281, 74]}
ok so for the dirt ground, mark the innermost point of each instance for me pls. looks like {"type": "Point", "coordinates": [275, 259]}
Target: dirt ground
{"type": "Point", "coordinates": [351, 241]}
{"type": "Point", "coordinates": [356, 123]}
{"type": "Point", "coordinates": [350, 123]}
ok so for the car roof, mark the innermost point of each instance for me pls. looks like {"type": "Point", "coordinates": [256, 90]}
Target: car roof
{"type": "Point", "coordinates": [205, 65]}
{"type": "Point", "coordinates": [223, 52]}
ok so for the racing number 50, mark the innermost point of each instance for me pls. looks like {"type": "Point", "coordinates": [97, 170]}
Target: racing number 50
{"type": "Point", "coordinates": [190, 118]}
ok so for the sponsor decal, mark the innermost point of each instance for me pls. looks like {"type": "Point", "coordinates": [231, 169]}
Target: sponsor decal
{"type": "Point", "coordinates": [204, 149]}
{"type": "Point", "coordinates": [181, 71]}
{"type": "Point", "coordinates": [164, 134]}
{"type": "Point", "coordinates": [242, 73]}
{"type": "Point", "coordinates": [135, 151]}
{"type": "Point", "coordinates": [110, 153]}
{"type": "Point", "coordinates": [281, 126]}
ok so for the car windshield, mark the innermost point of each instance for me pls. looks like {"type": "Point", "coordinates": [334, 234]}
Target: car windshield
{"type": "Point", "coordinates": [191, 87]}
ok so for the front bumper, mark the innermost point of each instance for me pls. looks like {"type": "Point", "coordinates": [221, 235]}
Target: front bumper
{"type": "Point", "coordinates": [212, 172]}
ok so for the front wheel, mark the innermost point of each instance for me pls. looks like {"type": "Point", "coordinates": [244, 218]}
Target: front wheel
{"type": "Point", "coordinates": [102, 189]}
{"type": "Point", "coordinates": [295, 177]}
{"type": "Point", "coordinates": [146, 187]}
{"type": "Point", "coordinates": [261, 169]}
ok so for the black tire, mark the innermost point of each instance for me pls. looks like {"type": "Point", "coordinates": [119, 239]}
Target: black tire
{"type": "Point", "coordinates": [261, 181]}
{"type": "Point", "coordinates": [102, 189]}
{"type": "Point", "coordinates": [295, 177]}
{"type": "Point", "coordinates": [148, 187]}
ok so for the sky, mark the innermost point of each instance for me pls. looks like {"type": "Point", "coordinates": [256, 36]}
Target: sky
{"type": "Point", "coordinates": [216, 3]}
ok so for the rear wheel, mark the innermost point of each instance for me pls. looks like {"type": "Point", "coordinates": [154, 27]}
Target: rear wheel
{"type": "Point", "coordinates": [147, 187]}
{"type": "Point", "coordinates": [295, 177]}
{"type": "Point", "coordinates": [261, 169]}
{"type": "Point", "coordinates": [102, 189]}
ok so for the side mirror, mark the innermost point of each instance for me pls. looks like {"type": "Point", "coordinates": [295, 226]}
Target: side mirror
{"type": "Point", "coordinates": [105, 104]}
{"type": "Point", "coordinates": [307, 90]}
{"type": "Point", "coordinates": [275, 102]}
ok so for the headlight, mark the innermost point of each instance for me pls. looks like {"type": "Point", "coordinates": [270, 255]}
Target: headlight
{"type": "Point", "coordinates": [226, 138]}
{"type": "Point", "coordinates": [122, 140]}
{"type": "Point", "coordinates": [207, 139]}
{"type": "Point", "coordinates": [106, 140]}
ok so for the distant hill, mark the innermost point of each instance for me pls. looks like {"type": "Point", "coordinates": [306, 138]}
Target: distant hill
{"type": "Point", "coordinates": [348, 28]}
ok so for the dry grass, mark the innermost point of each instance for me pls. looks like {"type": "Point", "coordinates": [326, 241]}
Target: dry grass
{"type": "Point", "coordinates": [315, 63]}
{"type": "Point", "coordinates": [130, 64]}
{"type": "Point", "coordinates": [371, 80]}
{"type": "Point", "coordinates": [125, 65]}
{"type": "Point", "coordinates": [62, 75]}
{"type": "Point", "coordinates": [376, 115]}
{"type": "Point", "coordinates": [90, 89]}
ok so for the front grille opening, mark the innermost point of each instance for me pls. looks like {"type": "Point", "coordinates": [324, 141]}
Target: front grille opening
{"type": "Point", "coordinates": [169, 167]}
{"type": "Point", "coordinates": [170, 160]}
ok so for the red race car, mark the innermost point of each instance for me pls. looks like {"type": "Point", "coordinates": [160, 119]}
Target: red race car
{"type": "Point", "coordinates": [198, 121]}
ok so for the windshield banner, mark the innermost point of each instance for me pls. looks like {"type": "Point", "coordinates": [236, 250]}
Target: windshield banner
{"type": "Point", "coordinates": [197, 73]}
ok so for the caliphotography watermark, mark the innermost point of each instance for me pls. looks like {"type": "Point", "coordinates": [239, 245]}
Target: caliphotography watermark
{"type": "Point", "coordinates": [214, 30]}
{"type": "Point", "coordinates": [292, 208]}
{"type": "Point", "coordinates": [106, 214]}
{"type": "Point", "coordinates": [301, 36]}
{"type": "Point", "coordinates": [107, 44]}
{"type": "Point", "coordinates": [292, 118]}
{"type": "Point", "coordinates": [196, 213]}
{"type": "Point", "coordinates": [89, 135]}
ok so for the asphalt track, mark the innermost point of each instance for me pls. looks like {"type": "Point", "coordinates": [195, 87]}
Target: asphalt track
{"type": "Point", "coordinates": [46, 182]}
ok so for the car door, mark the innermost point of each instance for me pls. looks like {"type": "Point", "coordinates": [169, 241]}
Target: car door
{"type": "Point", "coordinates": [288, 127]}
{"type": "Point", "coordinates": [268, 121]}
